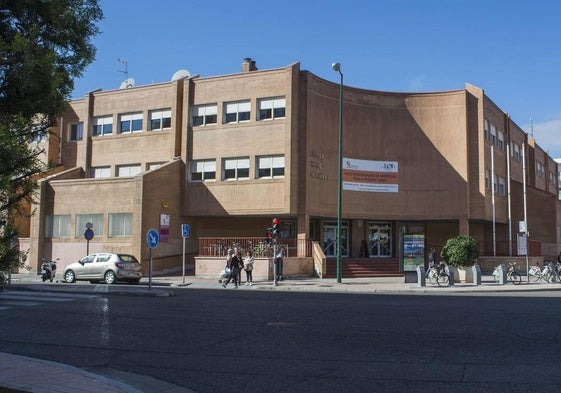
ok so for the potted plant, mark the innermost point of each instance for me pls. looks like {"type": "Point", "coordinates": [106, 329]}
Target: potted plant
{"type": "Point", "coordinates": [461, 252]}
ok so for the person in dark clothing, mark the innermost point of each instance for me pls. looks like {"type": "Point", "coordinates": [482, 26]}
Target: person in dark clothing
{"type": "Point", "coordinates": [232, 264]}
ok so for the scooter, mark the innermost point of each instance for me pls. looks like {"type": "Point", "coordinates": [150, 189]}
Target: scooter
{"type": "Point", "coordinates": [48, 270]}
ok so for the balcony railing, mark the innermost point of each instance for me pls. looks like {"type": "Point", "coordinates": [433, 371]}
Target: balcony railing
{"type": "Point", "coordinates": [218, 247]}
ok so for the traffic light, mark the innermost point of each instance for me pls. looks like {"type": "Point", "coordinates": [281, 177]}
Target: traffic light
{"type": "Point", "coordinates": [276, 229]}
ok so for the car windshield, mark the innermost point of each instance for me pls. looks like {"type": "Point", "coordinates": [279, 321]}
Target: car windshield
{"type": "Point", "coordinates": [127, 258]}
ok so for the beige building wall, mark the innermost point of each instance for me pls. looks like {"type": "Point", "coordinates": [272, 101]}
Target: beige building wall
{"type": "Point", "coordinates": [438, 139]}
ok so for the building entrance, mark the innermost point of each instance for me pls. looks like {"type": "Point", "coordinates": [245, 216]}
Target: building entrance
{"type": "Point", "coordinates": [380, 239]}
{"type": "Point", "coordinates": [330, 240]}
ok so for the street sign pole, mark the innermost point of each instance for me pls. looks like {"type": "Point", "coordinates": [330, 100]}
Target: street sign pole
{"type": "Point", "coordinates": [185, 229]}
{"type": "Point", "coordinates": [183, 260]}
{"type": "Point", "coordinates": [152, 239]}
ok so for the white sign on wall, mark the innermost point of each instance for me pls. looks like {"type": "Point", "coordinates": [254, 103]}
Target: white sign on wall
{"type": "Point", "coordinates": [371, 176]}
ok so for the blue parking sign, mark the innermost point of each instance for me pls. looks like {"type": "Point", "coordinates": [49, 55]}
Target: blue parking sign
{"type": "Point", "coordinates": [185, 230]}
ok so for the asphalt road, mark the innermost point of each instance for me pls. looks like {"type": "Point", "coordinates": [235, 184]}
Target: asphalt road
{"type": "Point", "coordinates": [250, 341]}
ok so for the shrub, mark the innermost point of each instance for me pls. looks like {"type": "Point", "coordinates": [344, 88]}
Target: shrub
{"type": "Point", "coordinates": [460, 251]}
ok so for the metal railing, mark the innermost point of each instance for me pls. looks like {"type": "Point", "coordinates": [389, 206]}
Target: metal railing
{"type": "Point", "coordinates": [218, 247]}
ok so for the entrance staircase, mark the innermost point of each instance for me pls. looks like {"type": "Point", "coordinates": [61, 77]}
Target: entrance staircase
{"type": "Point", "coordinates": [364, 267]}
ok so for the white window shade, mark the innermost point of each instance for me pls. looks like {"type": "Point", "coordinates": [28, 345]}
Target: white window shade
{"type": "Point", "coordinates": [232, 108]}
{"type": "Point", "coordinates": [278, 162]}
{"type": "Point", "coordinates": [266, 104]}
{"type": "Point", "coordinates": [230, 164]}
{"type": "Point", "coordinates": [264, 162]}
{"type": "Point", "coordinates": [211, 110]}
{"type": "Point", "coordinates": [243, 163]}
{"type": "Point", "coordinates": [280, 103]}
{"type": "Point", "coordinates": [244, 106]}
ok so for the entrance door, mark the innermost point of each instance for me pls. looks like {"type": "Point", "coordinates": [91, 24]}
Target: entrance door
{"type": "Point", "coordinates": [380, 239]}
{"type": "Point", "coordinates": [330, 240]}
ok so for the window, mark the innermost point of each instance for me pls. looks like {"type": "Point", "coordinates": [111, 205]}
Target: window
{"type": "Point", "coordinates": [203, 170]}
{"type": "Point", "coordinates": [502, 186]}
{"type": "Point", "coordinates": [153, 165]}
{"type": "Point", "coordinates": [128, 170]}
{"type": "Point", "coordinates": [501, 141]}
{"type": "Point", "coordinates": [120, 224]}
{"type": "Point", "coordinates": [272, 108]}
{"type": "Point", "coordinates": [57, 226]}
{"type": "Point", "coordinates": [76, 132]}
{"type": "Point", "coordinates": [270, 166]}
{"type": "Point", "coordinates": [493, 135]}
{"type": "Point", "coordinates": [517, 156]}
{"type": "Point", "coordinates": [236, 168]}
{"type": "Point", "coordinates": [102, 126]}
{"type": "Point", "coordinates": [486, 128]}
{"type": "Point", "coordinates": [495, 189]}
{"type": "Point", "coordinates": [160, 119]}
{"type": "Point", "coordinates": [204, 115]}
{"type": "Point", "coordinates": [101, 171]}
{"type": "Point", "coordinates": [234, 112]}
{"type": "Point", "coordinates": [540, 170]}
{"type": "Point", "coordinates": [83, 219]}
{"type": "Point", "coordinates": [131, 123]}
{"type": "Point", "coordinates": [488, 179]}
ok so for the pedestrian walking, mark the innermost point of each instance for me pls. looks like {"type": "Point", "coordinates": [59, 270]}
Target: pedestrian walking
{"type": "Point", "coordinates": [248, 267]}
{"type": "Point", "coordinates": [231, 265]}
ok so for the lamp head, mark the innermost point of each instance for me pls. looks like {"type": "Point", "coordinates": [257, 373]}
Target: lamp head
{"type": "Point", "coordinates": [336, 67]}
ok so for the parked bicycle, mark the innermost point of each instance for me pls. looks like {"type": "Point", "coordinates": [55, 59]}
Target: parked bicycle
{"type": "Point", "coordinates": [549, 272]}
{"type": "Point", "coordinates": [512, 274]}
{"type": "Point", "coordinates": [436, 274]}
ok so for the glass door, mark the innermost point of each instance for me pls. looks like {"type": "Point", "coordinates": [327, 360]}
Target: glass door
{"type": "Point", "coordinates": [330, 240]}
{"type": "Point", "coordinates": [380, 239]}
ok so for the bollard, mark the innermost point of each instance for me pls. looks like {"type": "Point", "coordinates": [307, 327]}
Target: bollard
{"type": "Point", "coordinates": [476, 273]}
{"type": "Point", "coordinates": [502, 275]}
{"type": "Point", "coordinates": [450, 271]}
{"type": "Point", "coordinates": [421, 280]}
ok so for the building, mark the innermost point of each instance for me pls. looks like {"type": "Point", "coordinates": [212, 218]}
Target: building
{"type": "Point", "coordinates": [226, 154]}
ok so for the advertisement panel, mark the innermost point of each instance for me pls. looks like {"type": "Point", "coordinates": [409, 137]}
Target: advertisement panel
{"type": "Point", "coordinates": [370, 176]}
{"type": "Point", "coordinates": [413, 251]}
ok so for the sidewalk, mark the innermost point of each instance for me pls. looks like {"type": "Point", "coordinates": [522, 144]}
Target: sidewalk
{"type": "Point", "coordinates": [14, 370]}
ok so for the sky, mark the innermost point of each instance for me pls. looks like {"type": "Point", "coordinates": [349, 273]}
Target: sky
{"type": "Point", "coordinates": [510, 49]}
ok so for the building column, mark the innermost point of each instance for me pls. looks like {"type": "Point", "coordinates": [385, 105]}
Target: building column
{"type": "Point", "coordinates": [463, 226]}
{"type": "Point", "coordinates": [303, 235]}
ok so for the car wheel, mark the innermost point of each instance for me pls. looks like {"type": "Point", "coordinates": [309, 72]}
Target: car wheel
{"type": "Point", "coordinates": [110, 277]}
{"type": "Point", "coordinates": [69, 276]}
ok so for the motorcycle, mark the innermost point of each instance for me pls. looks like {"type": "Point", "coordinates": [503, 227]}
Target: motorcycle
{"type": "Point", "coordinates": [48, 270]}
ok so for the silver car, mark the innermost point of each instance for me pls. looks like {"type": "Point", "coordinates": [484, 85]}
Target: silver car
{"type": "Point", "coordinates": [108, 267]}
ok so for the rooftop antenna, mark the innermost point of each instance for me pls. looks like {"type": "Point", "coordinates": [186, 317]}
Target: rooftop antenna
{"type": "Point", "coordinates": [126, 71]}
{"type": "Point", "coordinates": [128, 82]}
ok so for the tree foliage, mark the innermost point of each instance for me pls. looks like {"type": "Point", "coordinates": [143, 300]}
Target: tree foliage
{"type": "Point", "coordinates": [44, 45]}
{"type": "Point", "coordinates": [460, 251]}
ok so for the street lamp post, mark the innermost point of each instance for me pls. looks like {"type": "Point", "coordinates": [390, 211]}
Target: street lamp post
{"type": "Point", "coordinates": [337, 67]}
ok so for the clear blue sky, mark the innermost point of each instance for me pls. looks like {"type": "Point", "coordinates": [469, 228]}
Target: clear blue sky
{"type": "Point", "coordinates": [511, 49]}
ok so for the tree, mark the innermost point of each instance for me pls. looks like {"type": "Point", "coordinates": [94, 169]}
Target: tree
{"type": "Point", "coordinates": [460, 251]}
{"type": "Point", "coordinates": [44, 45]}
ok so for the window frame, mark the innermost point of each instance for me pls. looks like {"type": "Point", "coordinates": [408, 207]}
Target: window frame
{"type": "Point", "coordinates": [163, 119]}
{"type": "Point", "coordinates": [271, 108]}
{"type": "Point", "coordinates": [274, 172]}
{"type": "Point", "coordinates": [235, 168]}
{"type": "Point", "coordinates": [196, 164]}
{"type": "Point", "coordinates": [237, 111]}
{"type": "Point", "coordinates": [57, 226]}
{"type": "Point", "coordinates": [132, 119]}
{"type": "Point", "coordinates": [207, 113]}
{"type": "Point", "coordinates": [101, 170]}
{"type": "Point", "coordinates": [95, 218]}
{"type": "Point", "coordinates": [134, 168]}
{"type": "Point", "coordinates": [76, 132]}
{"type": "Point", "coordinates": [104, 124]}
{"type": "Point", "coordinates": [124, 228]}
